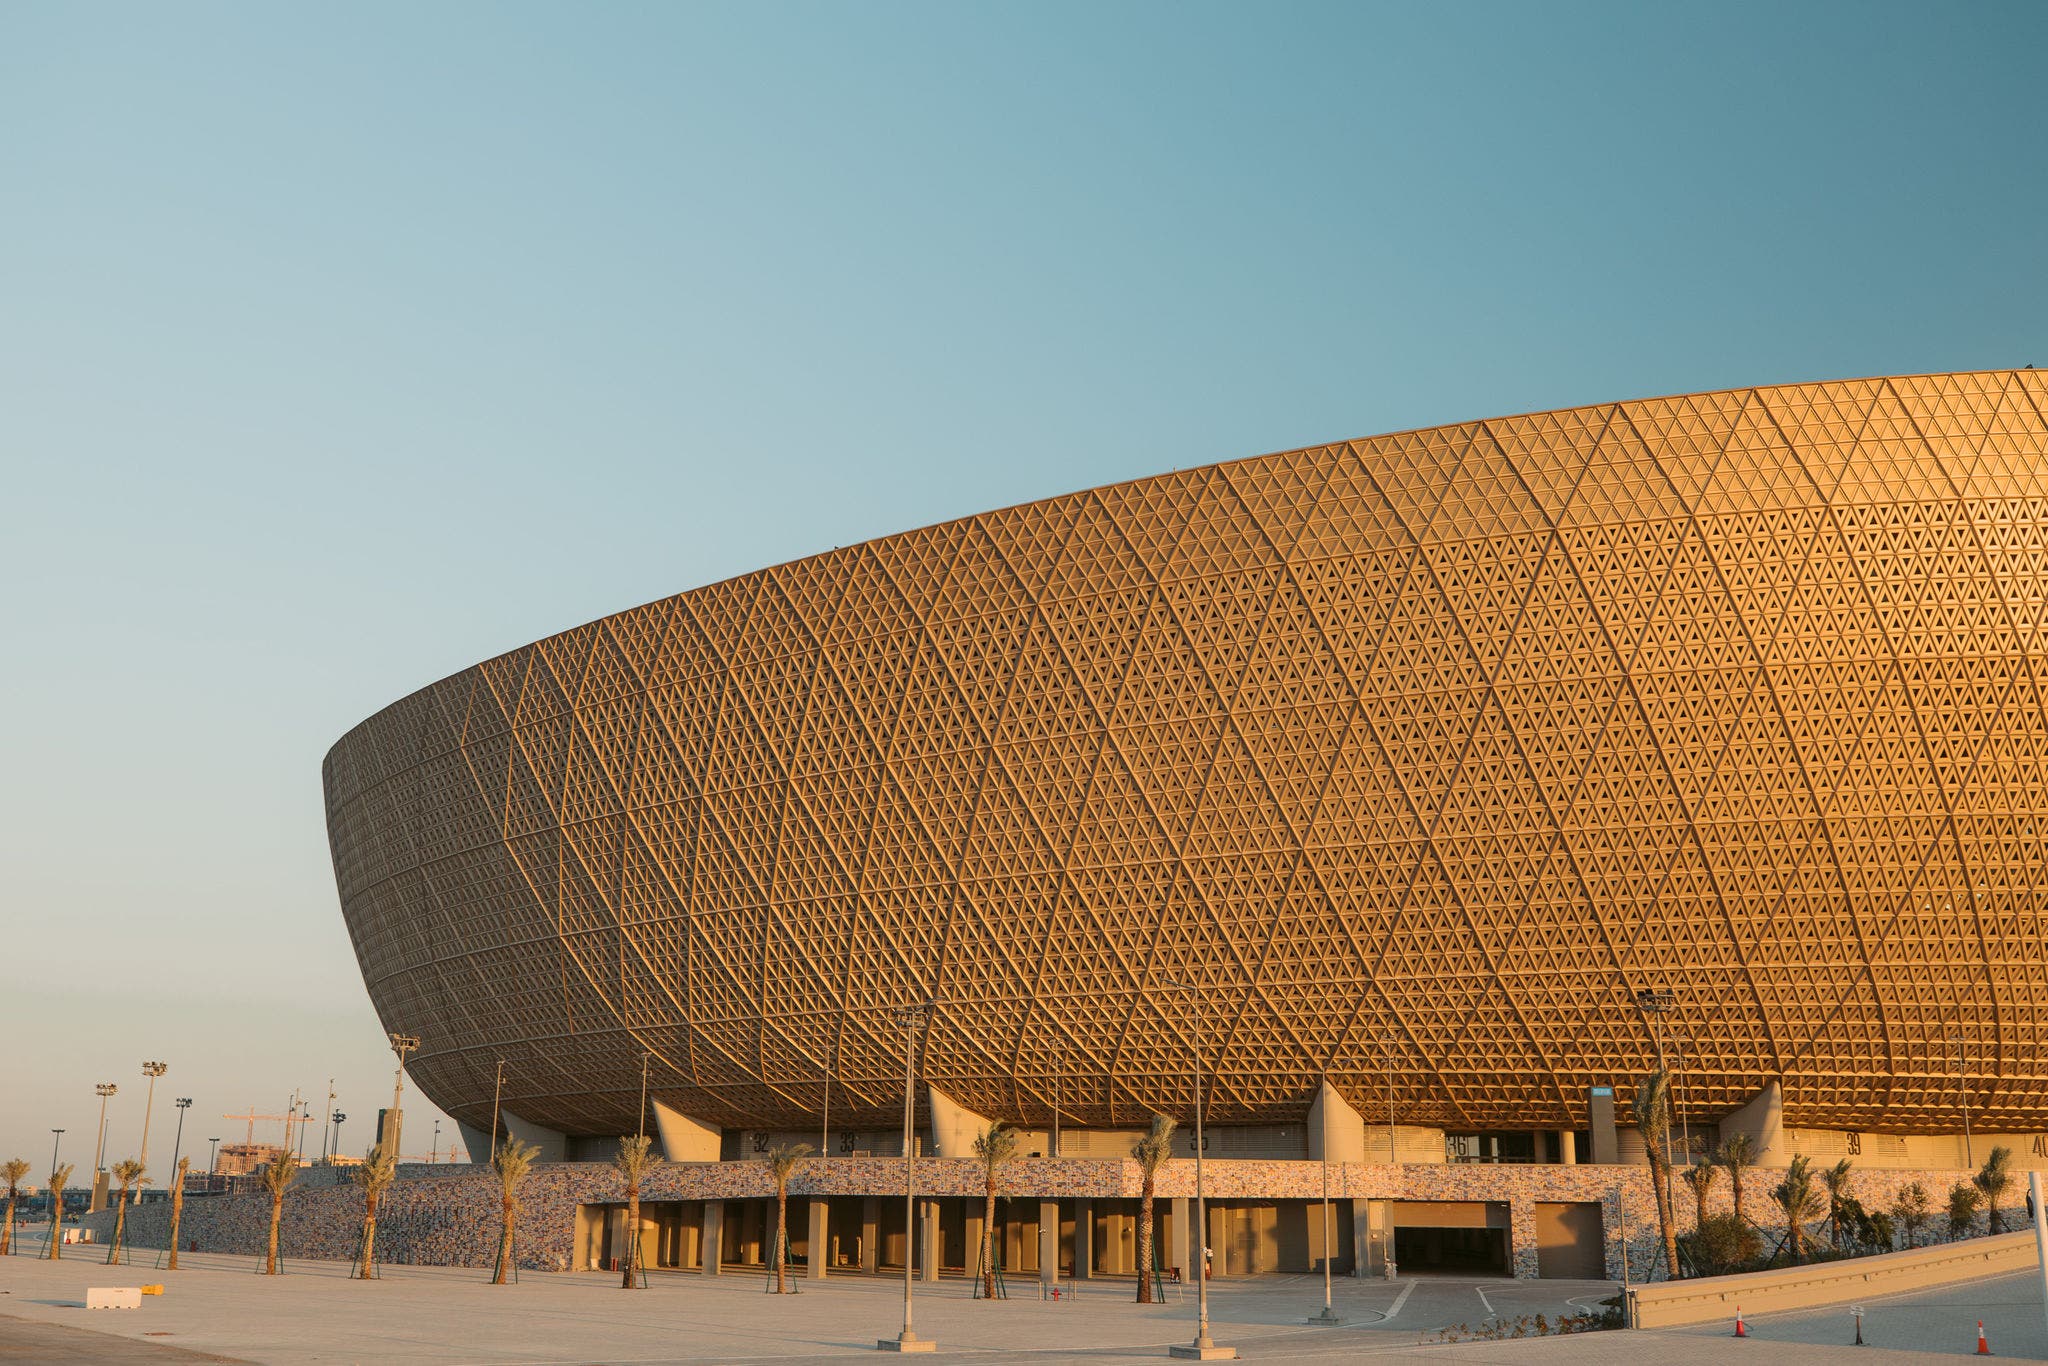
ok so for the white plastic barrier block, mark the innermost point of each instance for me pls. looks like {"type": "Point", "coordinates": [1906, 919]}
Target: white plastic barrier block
{"type": "Point", "coordinates": [114, 1297]}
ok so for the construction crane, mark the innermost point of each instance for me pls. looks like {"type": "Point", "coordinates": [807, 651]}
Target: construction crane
{"type": "Point", "coordinates": [252, 1117]}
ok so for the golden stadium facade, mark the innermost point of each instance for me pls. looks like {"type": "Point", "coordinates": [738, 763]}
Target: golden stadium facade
{"type": "Point", "coordinates": [1446, 743]}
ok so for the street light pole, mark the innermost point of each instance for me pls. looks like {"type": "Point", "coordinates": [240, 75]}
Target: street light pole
{"type": "Point", "coordinates": [911, 1018]}
{"type": "Point", "coordinates": [497, 1091]}
{"type": "Point", "coordinates": [152, 1070]}
{"type": "Point", "coordinates": [1203, 1348]}
{"type": "Point", "coordinates": [640, 1124]}
{"type": "Point", "coordinates": [1654, 1005]}
{"type": "Point", "coordinates": [213, 1157]}
{"type": "Point", "coordinates": [1963, 1095]}
{"type": "Point", "coordinates": [183, 1103]}
{"type": "Point", "coordinates": [402, 1045]}
{"type": "Point", "coordinates": [323, 1123]}
{"type": "Point", "coordinates": [99, 1152]}
{"type": "Point", "coordinates": [1329, 1317]}
{"type": "Point", "coordinates": [56, 1212]}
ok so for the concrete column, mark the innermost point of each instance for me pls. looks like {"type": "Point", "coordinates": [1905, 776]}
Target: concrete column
{"type": "Point", "coordinates": [870, 1232]}
{"type": "Point", "coordinates": [1335, 1129]}
{"type": "Point", "coordinates": [818, 1263]}
{"type": "Point", "coordinates": [928, 1237]}
{"type": "Point", "coordinates": [1049, 1242]}
{"type": "Point", "coordinates": [1365, 1259]}
{"type": "Point", "coordinates": [974, 1248]}
{"type": "Point", "coordinates": [714, 1236]}
{"type": "Point", "coordinates": [1183, 1247]}
{"type": "Point", "coordinates": [1567, 1148]}
{"type": "Point", "coordinates": [1084, 1239]}
{"type": "Point", "coordinates": [1606, 1141]}
{"type": "Point", "coordinates": [1218, 1259]}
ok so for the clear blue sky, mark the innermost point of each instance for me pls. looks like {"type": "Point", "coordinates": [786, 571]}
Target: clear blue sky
{"type": "Point", "coordinates": [341, 347]}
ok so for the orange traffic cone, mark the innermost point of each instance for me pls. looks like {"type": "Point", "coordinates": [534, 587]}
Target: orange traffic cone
{"type": "Point", "coordinates": [1983, 1347]}
{"type": "Point", "coordinates": [1740, 1331]}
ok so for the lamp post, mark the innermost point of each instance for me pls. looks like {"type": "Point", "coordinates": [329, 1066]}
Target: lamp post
{"type": "Point", "coordinates": [640, 1129]}
{"type": "Point", "coordinates": [1329, 1317]}
{"type": "Point", "coordinates": [323, 1123]}
{"type": "Point", "coordinates": [1653, 1005]}
{"type": "Point", "coordinates": [1963, 1095]}
{"type": "Point", "coordinates": [1203, 1348]}
{"type": "Point", "coordinates": [825, 1104]}
{"type": "Point", "coordinates": [104, 1091]}
{"type": "Point", "coordinates": [434, 1153]}
{"type": "Point", "coordinates": [56, 1214]}
{"type": "Point", "coordinates": [403, 1045]}
{"type": "Point", "coordinates": [912, 1018]}
{"type": "Point", "coordinates": [183, 1103]}
{"type": "Point", "coordinates": [498, 1090]}
{"type": "Point", "coordinates": [152, 1070]}
{"type": "Point", "coordinates": [213, 1157]}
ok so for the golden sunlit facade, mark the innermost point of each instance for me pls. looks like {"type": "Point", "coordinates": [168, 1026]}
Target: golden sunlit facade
{"type": "Point", "coordinates": [1445, 743]}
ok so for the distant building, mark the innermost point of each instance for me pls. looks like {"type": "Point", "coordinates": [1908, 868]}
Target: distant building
{"type": "Point", "coordinates": [240, 1159]}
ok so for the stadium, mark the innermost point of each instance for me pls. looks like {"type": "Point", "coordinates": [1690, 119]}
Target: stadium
{"type": "Point", "coordinates": [1416, 794]}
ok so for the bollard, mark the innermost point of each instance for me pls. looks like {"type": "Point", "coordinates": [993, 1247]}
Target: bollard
{"type": "Point", "coordinates": [1858, 1312]}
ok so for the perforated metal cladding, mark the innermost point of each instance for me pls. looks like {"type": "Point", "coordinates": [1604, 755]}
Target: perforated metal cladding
{"type": "Point", "coordinates": [1453, 739]}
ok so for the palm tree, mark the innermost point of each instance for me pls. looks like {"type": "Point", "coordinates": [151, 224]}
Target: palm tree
{"type": "Point", "coordinates": [1151, 1153]}
{"type": "Point", "coordinates": [633, 1162]}
{"type": "Point", "coordinates": [995, 1146]}
{"type": "Point", "coordinates": [1653, 1122]}
{"type": "Point", "coordinates": [1700, 1178]}
{"type": "Point", "coordinates": [1835, 1181]}
{"type": "Point", "coordinates": [1801, 1204]}
{"type": "Point", "coordinates": [1738, 1154]}
{"type": "Point", "coordinates": [177, 1208]}
{"type": "Point", "coordinates": [375, 1175]}
{"type": "Point", "coordinates": [1964, 1200]}
{"type": "Point", "coordinates": [782, 1160]}
{"type": "Point", "coordinates": [1994, 1179]}
{"type": "Point", "coordinates": [512, 1161]}
{"type": "Point", "coordinates": [14, 1169]}
{"type": "Point", "coordinates": [127, 1172]}
{"type": "Point", "coordinates": [60, 1177]}
{"type": "Point", "coordinates": [277, 1178]}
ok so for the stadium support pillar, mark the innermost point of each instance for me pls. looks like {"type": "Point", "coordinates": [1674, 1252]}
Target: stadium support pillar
{"type": "Point", "coordinates": [554, 1147]}
{"type": "Point", "coordinates": [1763, 1119]}
{"type": "Point", "coordinates": [1182, 1250]}
{"type": "Point", "coordinates": [1336, 1132]}
{"type": "Point", "coordinates": [1049, 1241]}
{"type": "Point", "coordinates": [821, 1228]}
{"type": "Point", "coordinates": [713, 1241]}
{"type": "Point", "coordinates": [954, 1129]}
{"type": "Point", "coordinates": [1606, 1142]}
{"type": "Point", "coordinates": [928, 1236]}
{"type": "Point", "coordinates": [684, 1139]}
{"type": "Point", "coordinates": [1567, 1148]}
{"type": "Point", "coordinates": [1084, 1239]}
{"type": "Point", "coordinates": [870, 1232]}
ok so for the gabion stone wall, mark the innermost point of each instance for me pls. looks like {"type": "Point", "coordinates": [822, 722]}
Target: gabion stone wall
{"type": "Point", "coordinates": [452, 1219]}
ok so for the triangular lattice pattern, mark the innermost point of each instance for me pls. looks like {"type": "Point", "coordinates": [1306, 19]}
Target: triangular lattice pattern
{"type": "Point", "coordinates": [1447, 741]}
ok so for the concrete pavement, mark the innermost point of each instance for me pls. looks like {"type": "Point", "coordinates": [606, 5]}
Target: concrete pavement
{"type": "Point", "coordinates": [218, 1307]}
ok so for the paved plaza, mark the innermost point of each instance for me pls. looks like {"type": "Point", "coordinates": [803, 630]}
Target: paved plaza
{"type": "Point", "coordinates": [219, 1309]}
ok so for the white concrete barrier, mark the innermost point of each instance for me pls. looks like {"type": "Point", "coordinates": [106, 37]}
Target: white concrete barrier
{"type": "Point", "coordinates": [1668, 1304]}
{"type": "Point", "coordinates": [114, 1297]}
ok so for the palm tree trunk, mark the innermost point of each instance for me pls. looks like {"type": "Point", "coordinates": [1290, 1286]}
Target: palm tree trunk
{"type": "Point", "coordinates": [1660, 1184]}
{"type": "Point", "coordinates": [781, 1233]}
{"type": "Point", "coordinates": [369, 1236]}
{"type": "Point", "coordinates": [988, 1242]}
{"type": "Point", "coordinates": [1145, 1243]}
{"type": "Point", "coordinates": [276, 1216]}
{"type": "Point", "coordinates": [177, 1215]}
{"type": "Point", "coordinates": [55, 1251]}
{"type": "Point", "coordinates": [632, 1233]}
{"type": "Point", "coordinates": [505, 1247]}
{"type": "Point", "coordinates": [120, 1226]}
{"type": "Point", "coordinates": [7, 1230]}
{"type": "Point", "coordinates": [1735, 1180]}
